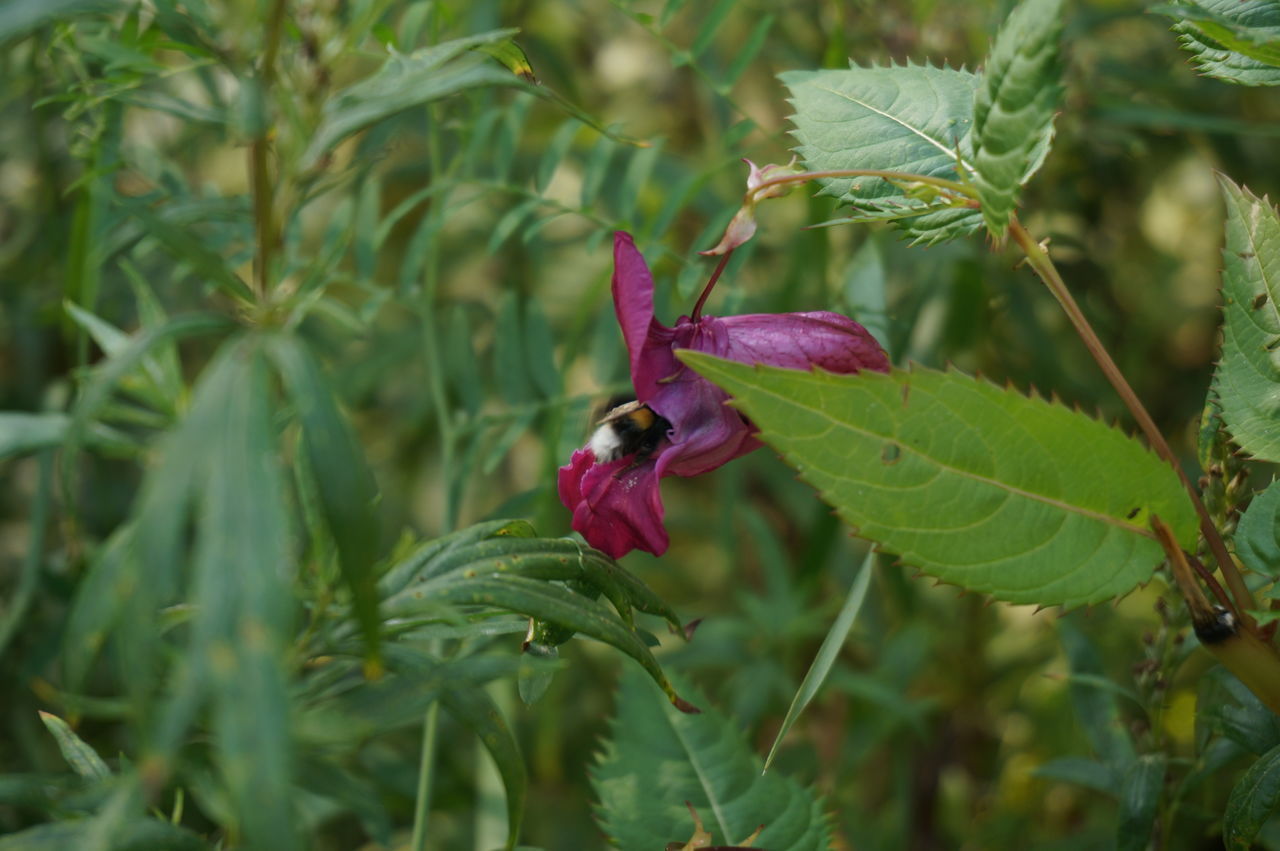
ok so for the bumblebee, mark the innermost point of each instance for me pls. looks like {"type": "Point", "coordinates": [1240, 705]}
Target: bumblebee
{"type": "Point", "coordinates": [629, 428]}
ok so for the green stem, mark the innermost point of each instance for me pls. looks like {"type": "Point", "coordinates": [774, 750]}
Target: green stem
{"type": "Point", "coordinates": [426, 769]}
{"type": "Point", "coordinates": [30, 576]}
{"type": "Point", "coordinates": [260, 157]}
{"type": "Point", "coordinates": [448, 436]}
{"type": "Point", "coordinates": [1039, 260]}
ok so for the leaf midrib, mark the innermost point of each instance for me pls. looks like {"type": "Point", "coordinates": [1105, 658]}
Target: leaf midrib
{"type": "Point", "coordinates": [923, 135]}
{"type": "Point", "coordinates": [905, 447]}
{"type": "Point", "coordinates": [712, 799]}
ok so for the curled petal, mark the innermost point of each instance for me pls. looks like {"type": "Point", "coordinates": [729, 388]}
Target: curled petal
{"type": "Point", "coordinates": [648, 340]}
{"type": "Point", "coordinates": [617, 506]}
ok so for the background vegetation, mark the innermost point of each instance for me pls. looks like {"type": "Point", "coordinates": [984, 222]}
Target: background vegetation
{"type": "Point", "coordinates": [446, 274]}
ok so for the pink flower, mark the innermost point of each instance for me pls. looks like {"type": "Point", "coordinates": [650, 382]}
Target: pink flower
{"type": "Point", "coordinates": [617, 505]}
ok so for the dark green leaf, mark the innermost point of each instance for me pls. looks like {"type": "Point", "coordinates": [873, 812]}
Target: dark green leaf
{"type": "Point", "coordinates": [1088, 773]}
{"type": "Point", "coordinates": [137, 835]}
{"type": "Point", "coordinates": [345, 484]}
{"type": "Point", "coordinates": [1139, 800]}
{"type": "Point", "coordinates": [1095, 708]}
{"type": "Point", "coordinates": [1257, 535]}
{"type": "Point", "coordinates": [656, 759]}
{"type": "Point", "coordinates": [19, 17]}
{"type": "Point", "coordinates": [1253, 800]}
{"type": "Point", "coordinates": [541, 600]}
{"type": "Point", "coordinates": [475, 709]}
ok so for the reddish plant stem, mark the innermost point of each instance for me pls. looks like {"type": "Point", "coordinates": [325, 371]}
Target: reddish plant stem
{"type": "Point", "coordinates": [900, 176]}
{"type": "Point", "coordinates": [706, 291]}
{"type": "Point", "coordinates": [1040, 262]}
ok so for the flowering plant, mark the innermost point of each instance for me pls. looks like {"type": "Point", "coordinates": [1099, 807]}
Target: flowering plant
{"type": "Point", "coordinates": [616, 504]}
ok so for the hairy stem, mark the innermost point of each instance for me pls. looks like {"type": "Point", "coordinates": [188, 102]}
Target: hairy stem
{"type": "Point", "coordinates": [1039, 260]}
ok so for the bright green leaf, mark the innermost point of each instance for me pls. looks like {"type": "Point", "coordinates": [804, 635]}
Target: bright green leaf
{"type": "Point", "coordinates": [980, 486]}
{"type": "Point", "coordinates": [1237, 41]}
{"type": "Point", "coordinates": [1013, 108]}
{"type": "Point", "coordinates": [913, 118]}
{"type": "Point", "coordinates": [1248, 378]}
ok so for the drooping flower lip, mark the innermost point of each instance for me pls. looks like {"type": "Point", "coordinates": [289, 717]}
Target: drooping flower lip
{"type": "Point", "coordinates": [617, 505]}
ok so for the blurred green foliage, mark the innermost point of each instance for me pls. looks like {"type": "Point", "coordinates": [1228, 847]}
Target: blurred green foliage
{"type": "Point", "coordinates": [447, 270]}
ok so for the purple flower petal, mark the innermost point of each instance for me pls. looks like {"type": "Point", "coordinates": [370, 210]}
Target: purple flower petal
{"type": "Point", "coordinates": [616, 506]}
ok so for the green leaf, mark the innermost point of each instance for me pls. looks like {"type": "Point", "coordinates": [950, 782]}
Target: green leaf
{"type": "Point", "coordinates": [1095, 708]}
{"type": "Point", "coordinates": [143, 834]}
{"type": "Point", "coordinates": [188, 247]}
{"type": "Point", "coordinates": [423, 557]}
{"type": "Point", "coordinates": [550, 559]}
{"type": "Point", "coordinates": [980, 486]}
{"type": "Point", "coordinates": [244, 611]}
{"type": "Point", "coordinates": [1013, 109]}
{"type": "Point", "coordinates": [19, 17]}
{"type": "Point", "coordinates": [827, 653]}
{"type": "Point", "coordinates": [22, 433]}
{"type": "Point", "coordinates": [475, 709]}
{"type": "Point", "coordinates": [1227, 706]}
{"type": "Point", "coordinates": [541, 600]}
{"type": "Point", "coordinates": [865, 291]}
{"type": "Point", "coordinates": [1237, 41]}
{"type": "Point", "coordinates": [345, 484]}
{"type": "Point", "coordinates": [656, 759]}
{"type": "Point", "coordinates": [1253, 800]}
{"type": "Point", "coordinates": [82, 758]}
{"type": "Point", "coordinates": [1088, 773]}
{"type": "Point", "coordinates": [554, 153]}
{"type": "Point", "coordinates": [1139, 800]}
{"type": "Point", "coordinates": [405, 81]}
{"type": "Point", "coordinates": [1247, 381]}
{"type": "Point", "coordinates": [1257, 535]}
{"type": "Point", "coordinates": [912, 118]}
{"type": "Point", "coordinates": [710, 24]}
